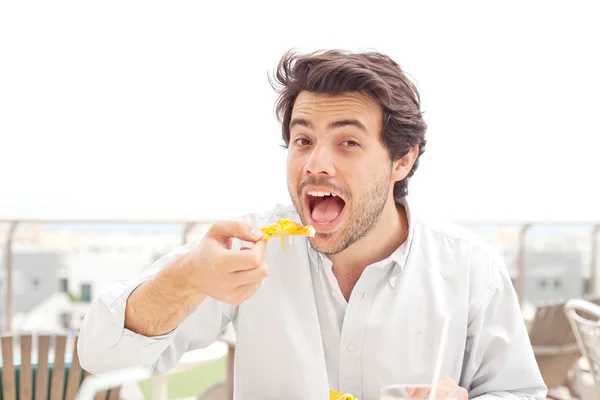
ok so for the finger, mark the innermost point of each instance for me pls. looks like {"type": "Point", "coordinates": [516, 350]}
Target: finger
{"type": "Point", "coordinates": [224, 231]}
{"type": "Point", "coordinates": [237, 260]}
{"type": "Point", "coordinates": [419, 393]}
{"type": "Point", "coordinates": [447, 382]}
{"type": "Point", "coordinates": [244, 292]}
{"type": "Point", "coordinates": [259, 249]}
{"type": "Point", "coordinates": [241, 278]}
{"type": "Point", "coordinates": [446, 387]}
{"type": "Point", "coordinates": [443, 393]}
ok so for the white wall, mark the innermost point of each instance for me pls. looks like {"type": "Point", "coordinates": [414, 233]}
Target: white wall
{"type": "Point", "coordinates": [163, 109]}
{"type": "Point", "coordinates": [117, 257]}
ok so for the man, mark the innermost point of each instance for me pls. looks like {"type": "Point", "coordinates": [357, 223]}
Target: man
{"type": "Point", "coordinates": [358, 306]}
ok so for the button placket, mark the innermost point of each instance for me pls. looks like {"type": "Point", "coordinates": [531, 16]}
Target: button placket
{"type": "Point", "coordinates": [353, 331]}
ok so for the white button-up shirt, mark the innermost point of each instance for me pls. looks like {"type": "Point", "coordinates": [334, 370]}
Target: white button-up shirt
{"type": "Point", "coordinates": [297, 337]}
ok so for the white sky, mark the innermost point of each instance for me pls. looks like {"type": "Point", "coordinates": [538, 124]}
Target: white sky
{"type": "Point", "coordinates": [163, 109]}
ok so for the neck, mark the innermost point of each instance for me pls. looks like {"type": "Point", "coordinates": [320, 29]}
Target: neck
{"type": "Point", "coordinates": [384, 238]}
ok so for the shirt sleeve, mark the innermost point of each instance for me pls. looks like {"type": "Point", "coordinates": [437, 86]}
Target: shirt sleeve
{"type": "Point", "coordinates": [499, 359]}
{"type": "Point", "coordinates": [105, 345]}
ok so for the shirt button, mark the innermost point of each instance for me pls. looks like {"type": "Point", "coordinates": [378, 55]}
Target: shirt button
{"type": "Point", "coordinates": [351, 347]}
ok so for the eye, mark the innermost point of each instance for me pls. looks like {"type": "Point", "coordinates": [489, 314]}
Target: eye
{"type": "Point", "coordinates": [301, 142]}
{"type": "Point", "coordinates": [350, 143]}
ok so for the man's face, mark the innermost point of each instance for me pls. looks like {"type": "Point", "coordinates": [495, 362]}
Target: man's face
{"type": "Point", "coordinates": [339, 174]}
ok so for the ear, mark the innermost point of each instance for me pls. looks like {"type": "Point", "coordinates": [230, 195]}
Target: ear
{"type": "Point", "coordinates": [402, 166]}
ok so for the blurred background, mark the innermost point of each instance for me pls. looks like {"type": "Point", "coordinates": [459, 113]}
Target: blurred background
{"type": "Point", "coordinates": [126, 127]}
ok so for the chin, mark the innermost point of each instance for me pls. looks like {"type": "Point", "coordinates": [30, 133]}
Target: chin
{"type": "Point", "coordinates": [326, 243]}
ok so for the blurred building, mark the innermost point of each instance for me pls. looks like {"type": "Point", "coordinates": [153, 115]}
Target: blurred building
{"type": "Point", "coordinates": [35, 279]}
{"type": "Point", "coordinates": [553, 275]}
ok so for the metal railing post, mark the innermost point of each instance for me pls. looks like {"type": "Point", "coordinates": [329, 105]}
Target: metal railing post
{"type": "Point", "coordinates": [522, 268]}
{"type": "Point", "coordinates": [187, 228]}
{"type": "Point", "coordinates": [8, 264]}
{"type": "Point", "coordinates": [593, 287]}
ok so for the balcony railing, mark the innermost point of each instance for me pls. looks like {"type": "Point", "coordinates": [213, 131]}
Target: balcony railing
{"type": "Point", "coordinates": [188, 224]}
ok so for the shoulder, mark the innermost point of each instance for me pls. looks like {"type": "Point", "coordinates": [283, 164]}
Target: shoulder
{"type": "Point", "coordinates": [457, 243]}
{"type": "Point", "coordinates": [458, 237]}
{"type": "Point", "coordinates": [472, 258]}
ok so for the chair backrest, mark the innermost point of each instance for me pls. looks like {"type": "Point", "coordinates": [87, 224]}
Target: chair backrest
{"type": "Point", "coordinates": [95, 387]}
{"type": "Point", "coordinates": [584, 317]}
{"type": "Point", "coordinates": [50, 378]}
{"type": "Point", "coordinates": [554, 343]}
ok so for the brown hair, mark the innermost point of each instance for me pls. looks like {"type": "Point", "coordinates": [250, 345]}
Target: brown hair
{"type": "Point", "coordinates": [372, 73]}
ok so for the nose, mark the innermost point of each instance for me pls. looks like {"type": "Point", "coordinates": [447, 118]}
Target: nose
{"type": "Point", "coordinates": [320, 162]}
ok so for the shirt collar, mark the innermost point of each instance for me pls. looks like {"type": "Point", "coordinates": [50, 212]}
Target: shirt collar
{"type": "Point", "coordinates": [398, 257]}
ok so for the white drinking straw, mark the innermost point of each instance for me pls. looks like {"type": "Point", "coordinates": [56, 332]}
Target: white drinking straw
{"type": "Point", "coordinates": [440, 358]}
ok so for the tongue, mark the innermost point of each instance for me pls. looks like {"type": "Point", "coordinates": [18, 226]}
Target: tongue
{"type": "Point", "coordinates": [327, 210]}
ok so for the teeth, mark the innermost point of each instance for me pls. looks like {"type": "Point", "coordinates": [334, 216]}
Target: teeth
{"type": "Point", "coordinates": [320, 194]}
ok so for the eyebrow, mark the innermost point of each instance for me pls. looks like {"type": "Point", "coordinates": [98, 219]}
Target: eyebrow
{"type": "Point", "coordinates": [332, 125]}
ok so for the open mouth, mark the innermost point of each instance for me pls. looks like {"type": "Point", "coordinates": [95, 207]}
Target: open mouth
{"type": "Point", "coordinates": [324, 208]}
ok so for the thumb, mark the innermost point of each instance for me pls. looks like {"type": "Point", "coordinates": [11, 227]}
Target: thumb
{"type": "Point", "coordinates": [259, 248]}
